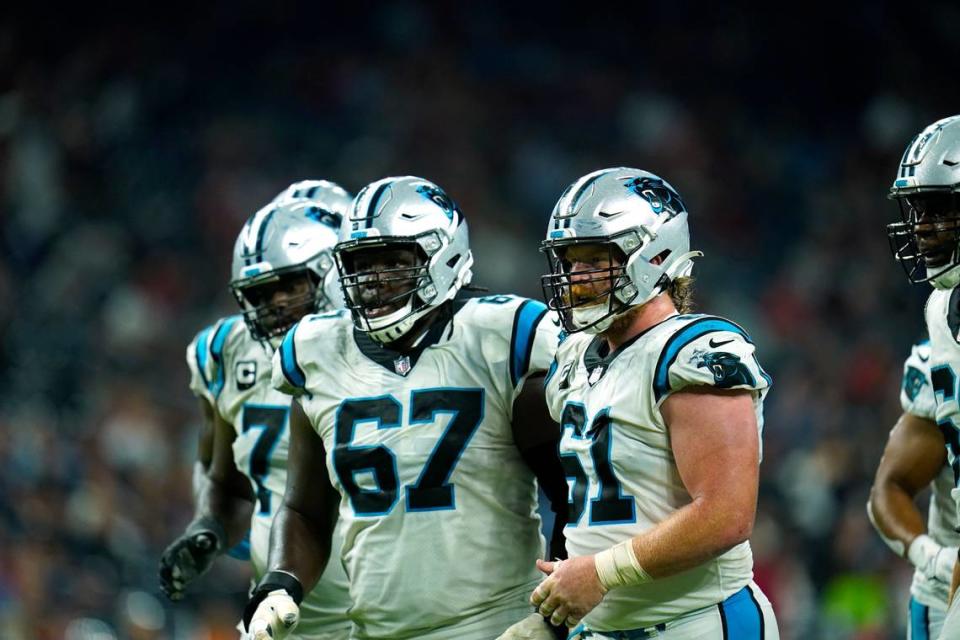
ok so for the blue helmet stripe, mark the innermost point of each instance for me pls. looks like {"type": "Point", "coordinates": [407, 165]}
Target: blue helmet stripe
{"type": "Point", "coordinates": [525, 323]}
{"type": "Point", "coordinates": [288, 360]}
{"type": "Point", "coordinates": [673, 346]}
{"type": "Point", "coordinates": [262, 231]}
{"type": "Point", "coordinates": [583, 188]}
{"type": "Point", "coordinates": [374, 201]}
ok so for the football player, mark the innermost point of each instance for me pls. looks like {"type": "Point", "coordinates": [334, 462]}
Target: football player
{"type": "Point", "coordinates": [915, 457]}
{"type": "Point", "coordinates": [282, 270]}
{"type": "Point", "coordinates": [661, 411]}
{"type": "Point", "coordinates": [422, 414]}
{"type": "Point", "coordinates": [927, 244]}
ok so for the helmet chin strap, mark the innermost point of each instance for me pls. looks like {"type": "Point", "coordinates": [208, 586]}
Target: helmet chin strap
{"type": "Point", "coordinates": [583, 317]}
{"type": "Point", "coordinates": [947, 279]}
{"type": "Point", "coordinates": [395, 325]}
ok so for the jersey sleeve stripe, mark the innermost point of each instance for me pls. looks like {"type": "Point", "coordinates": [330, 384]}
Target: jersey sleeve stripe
{"type": "Point", "coordinates": [216, 352]}
{"type": "Point", "coordinates": [525, 323]}
{"type": "Point", "coordinates": [203, 340]}
{"type": "Point", "coordinates": [288, 360]}
{"type": "Point", "coordinates": [673, 346]}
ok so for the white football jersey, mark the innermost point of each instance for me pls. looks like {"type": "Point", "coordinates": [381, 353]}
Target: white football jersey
{"type": "Point", "coordinates": [930, 375]}
{"type": "Point", "coordinates": [232, 371]}
{"type": "Point", "coordinates": [441, 530]}
{"type": "Point", "coordinates": [617, 454]}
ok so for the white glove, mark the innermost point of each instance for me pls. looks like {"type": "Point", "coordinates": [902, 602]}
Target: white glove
{"type": "Point", "coordinates": [533, 627]}
{"type": "Point", "coordinates": [933, 561]}
{"type": "Point", "coordinates": [275, 617]}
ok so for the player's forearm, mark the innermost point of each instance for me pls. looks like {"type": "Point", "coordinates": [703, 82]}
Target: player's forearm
{"type": "Point", "coordinates": [894, 514]}
{"type": "Point", "coordinates": [200, 482]}
{"type": "Point", "coordinates": [693, 535]}
{"type": "Point", "coordinates": [299, 545]}
{"type": "Point", "coordinates": [228, 506]}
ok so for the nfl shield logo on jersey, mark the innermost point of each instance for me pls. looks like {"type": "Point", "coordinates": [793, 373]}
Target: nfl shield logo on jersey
{"type": "Point", "coordinates": [402, 365]}
{"type": "Point", "coordinates": [596, 374]}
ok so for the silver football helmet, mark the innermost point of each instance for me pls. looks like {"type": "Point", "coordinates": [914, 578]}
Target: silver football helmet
{"type": "Point", "coordinates": [283, 262]}
{"type": "Point", "coordinates": [403, 251]}
{"type": "Point", "coordinates": [642, 222]}
{"type": "Point", "coordinates": [323, 193]}
{"type": "Point", "coordinates": [927, 240]}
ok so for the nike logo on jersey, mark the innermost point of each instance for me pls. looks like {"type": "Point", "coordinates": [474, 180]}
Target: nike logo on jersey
{"type": "Point", "coordinates": [714, 344]}
{"type": "Point", "coordinates": [922, 358]}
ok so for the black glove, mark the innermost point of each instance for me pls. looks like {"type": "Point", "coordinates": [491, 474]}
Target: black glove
{"type": "Point", "coordinates": [190, 556]}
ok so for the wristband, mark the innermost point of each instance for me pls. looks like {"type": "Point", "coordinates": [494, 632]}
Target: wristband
{"type": "Point", "coordinates": [210, 525]}
{"type": "Point", "coordinates": [272, 581]}
{"type": "Point", "coordinates": [618, 566]}
{"type": "Point", "coordinates": [922, 550]}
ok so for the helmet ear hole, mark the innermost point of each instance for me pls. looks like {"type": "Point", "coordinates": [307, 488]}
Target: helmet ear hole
{"type": "Point", "coordinates": [661, 257]}
{"type": "Point", "coordinates": [452, 261]}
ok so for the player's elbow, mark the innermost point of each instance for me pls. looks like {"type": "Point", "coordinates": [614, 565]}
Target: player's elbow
{"type": "Point", "coordinates": [732, 524]}
{"type": "Point", "coordinates": [885, 487]}
{"type": "Point", "coordinates": [736, 529]}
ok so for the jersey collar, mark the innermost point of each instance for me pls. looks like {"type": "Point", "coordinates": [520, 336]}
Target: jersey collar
{"type": "Point", "coordinates": [402, 363]}
{"type": "Point", "coordinates": [597, 358]}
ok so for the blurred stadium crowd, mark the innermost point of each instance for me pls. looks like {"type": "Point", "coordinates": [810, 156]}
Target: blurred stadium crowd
{"type": "Point", "coordinates": [130, 156]}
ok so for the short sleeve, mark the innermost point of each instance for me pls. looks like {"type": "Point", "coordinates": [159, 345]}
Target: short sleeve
{"type": "Point", "coordinates": [533, 341]}
{"type": "Point", "coordinates": [916, 392]}
{"type": "Point", "coordinates": [205, 359]}
{"type": "Point", "coordinates": [201, 365]}
{"type": "Point", "coordinates": [287, 375]}
{"type": "Point", "coordinates": [709, 352]}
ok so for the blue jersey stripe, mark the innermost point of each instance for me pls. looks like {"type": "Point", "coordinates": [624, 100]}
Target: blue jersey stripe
{"type": "Point", "coordinates": [741, 616]}
{"type": "Point", "coordinates": [288, 360]}
{"type": "Point", "coordinates": [919, 621]}
{"type": "Point", "coordinates": [525, 323]}
{"type": "Point", "coordinates": [216, 351]}
{"type": "Point", "coordinates": [201, 353]}
{"type": "Point", "coordinates": [673, 346]}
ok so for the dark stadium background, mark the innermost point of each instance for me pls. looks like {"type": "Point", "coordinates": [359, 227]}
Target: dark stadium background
{"type": "Point", "coordinates": [132, 148]}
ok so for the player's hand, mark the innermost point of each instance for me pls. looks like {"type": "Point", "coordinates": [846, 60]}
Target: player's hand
{"type": "Point", "coordinates": [570, 591]}
{"type": "Point", "coordinates": [275, 617]}
{"type": "Point", "coordinates": [943, 564]}
{"type": "Point", "coordinates": [932, 560]}
{"type": "Point", "coordinates": [186, 559]}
